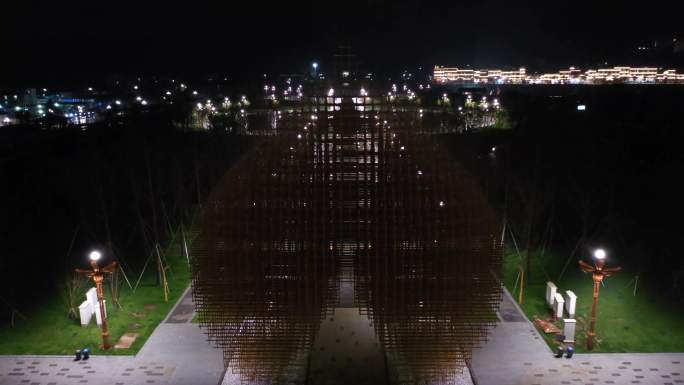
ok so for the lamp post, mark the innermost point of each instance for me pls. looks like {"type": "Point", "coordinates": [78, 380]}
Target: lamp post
{"type": "Point", "coordinates": [315, 68]}
{"type": "Point", "coordinates": [598, 273]}
{"type": "Point", "coordinates": [97, 274]}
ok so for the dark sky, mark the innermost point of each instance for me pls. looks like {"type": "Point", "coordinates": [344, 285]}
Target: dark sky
{"type": "Point", "coordinates": [77, 39]}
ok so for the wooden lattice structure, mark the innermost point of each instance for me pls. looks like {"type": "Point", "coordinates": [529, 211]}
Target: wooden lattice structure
{"type": "Point", "coordinates": [341, 192]}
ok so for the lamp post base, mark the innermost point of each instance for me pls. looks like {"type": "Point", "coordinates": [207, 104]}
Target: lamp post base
{"type": "Point", "coordinates": [590, 340]}
{"type": "Point", "coordinates": [106, 343]}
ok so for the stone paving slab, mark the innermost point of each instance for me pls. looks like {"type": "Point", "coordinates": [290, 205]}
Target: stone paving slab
{"type": "Point", "coordinates": [126, 340]}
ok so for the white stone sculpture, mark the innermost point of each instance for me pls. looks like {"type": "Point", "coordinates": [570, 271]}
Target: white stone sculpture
{"type": "Point", "coordinates": [569, 330]}
{"type": "Point", "coordinates": [559, 304]}
{"type": "Point", "coordinates": [90, 307]}
{"type": "Point", "coordinates": [551, 290]}
{"type": "Point", "coordinates": [570, 303]}
{"type": "Point", "coordinates": [85, 311]}
{"type": "Point", "coordinates": [91, 296]}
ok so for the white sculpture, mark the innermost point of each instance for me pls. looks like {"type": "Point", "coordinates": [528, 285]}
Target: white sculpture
{"type": "Point", "coordinates": [85, 310]}
{"type": "Point", "coordinates": [570, 303]}
{"type": "Point", "coordinates": [90, 307]}
{"type": "Point", "coordinates": [551, 290]}
{"type": "Point", "coordinates": [91, 296]}
{"type": "Point", "coordinates": [559, 304]}
{"type": "Point", "coordinates": [569, 330]}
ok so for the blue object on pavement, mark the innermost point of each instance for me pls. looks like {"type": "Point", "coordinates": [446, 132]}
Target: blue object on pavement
{"type": "Point", "coordinates": [86, 353]}
{"type": "Point", "coordinates": [570, 352]}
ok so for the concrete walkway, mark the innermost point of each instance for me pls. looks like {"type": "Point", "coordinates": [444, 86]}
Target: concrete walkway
{"type": "Point", "coordinates": [177, 353]}
{"type": "Point", "coordinates": [517, 355]}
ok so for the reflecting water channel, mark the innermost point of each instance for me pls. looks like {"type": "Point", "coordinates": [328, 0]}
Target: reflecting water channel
{"type": "Point", "coordinates": [346, 248]}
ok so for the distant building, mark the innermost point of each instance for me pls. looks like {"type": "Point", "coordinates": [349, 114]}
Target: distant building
{"type": "Point", "coordinates": [453, 74]}
{"type": "Point", "coordinates": [620, 74]}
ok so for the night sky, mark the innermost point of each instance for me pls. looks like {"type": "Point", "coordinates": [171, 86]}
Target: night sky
{"type": "Point", "coordinates": [79, 40]}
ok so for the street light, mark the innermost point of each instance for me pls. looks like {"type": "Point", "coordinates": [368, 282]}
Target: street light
{"type": "Point", "coordinates": [598, 273]}
{"type": "Point", "coordinates": [600, 254]}
{"type": "Point", "coordinates": [97, 274]}
{"type": "Point", "coordinates": [315, 67]}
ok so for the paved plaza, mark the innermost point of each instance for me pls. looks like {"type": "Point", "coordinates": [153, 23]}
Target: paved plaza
{"type": "Point", "coordinates": [177, 353]}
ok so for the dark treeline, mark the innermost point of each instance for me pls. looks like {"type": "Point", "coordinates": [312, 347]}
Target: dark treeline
{"type": "Point", "coordinates": [568, 181]}
{"type": "Point", "coordinates": [120, 187]}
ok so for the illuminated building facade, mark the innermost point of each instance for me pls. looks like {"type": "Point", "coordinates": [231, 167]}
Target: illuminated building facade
{"type": "Point", "coordinates": [623, 74]}
{"type": "Point", "coordinates": [447, 74]}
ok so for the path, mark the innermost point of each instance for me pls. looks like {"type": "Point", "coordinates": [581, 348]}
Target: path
{"type": "Point", "coordinates": [517, 355]}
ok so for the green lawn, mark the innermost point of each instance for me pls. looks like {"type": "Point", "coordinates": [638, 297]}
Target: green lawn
{"type": "Point", "coordinates": [625, 323]}
{"type": "Point", "coordinates": [50, 331]}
